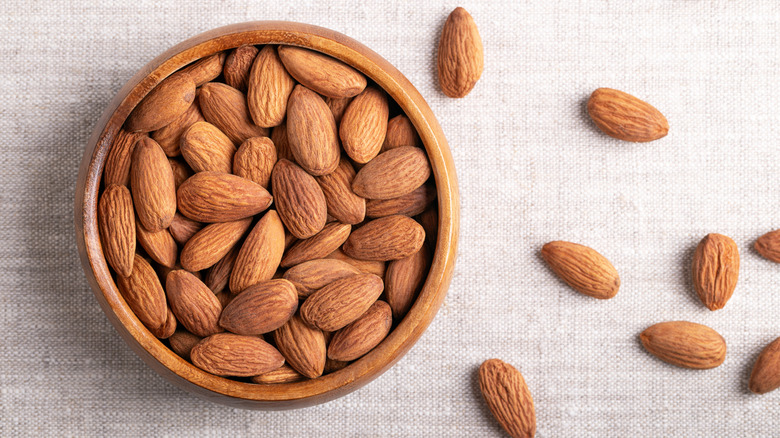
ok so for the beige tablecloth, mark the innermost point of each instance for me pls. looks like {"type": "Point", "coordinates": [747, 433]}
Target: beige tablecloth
{"type": "Point", "coordinates": [532, 168]}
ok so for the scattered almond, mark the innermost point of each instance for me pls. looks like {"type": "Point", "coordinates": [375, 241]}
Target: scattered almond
{"type": "Point", "coordinates": [715, 270]}
{"type": "Point", "coordinates": [768, 246]}
{"type": "Point", "coordinates": [461, 56]}
{"type": "Point", "coordinates": [508, 398]}
{"type": "Point", "coordinates": [765, 376]}
{"type": "Point", "coordinates": [625, 117]}
{"type": "Point", "coordinates": [582, 268]}
{"type": "Point", "coordinates": [685, 344]}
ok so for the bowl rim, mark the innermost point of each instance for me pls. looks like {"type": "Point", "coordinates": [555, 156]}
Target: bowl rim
{"type": "Point", "coordinates": [158, 356]}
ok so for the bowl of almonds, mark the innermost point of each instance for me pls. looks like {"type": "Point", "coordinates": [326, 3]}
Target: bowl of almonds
{"type": "Point", "coordinates": [268, 214]}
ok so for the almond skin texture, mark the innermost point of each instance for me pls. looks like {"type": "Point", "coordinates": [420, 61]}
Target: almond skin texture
{"type": "Point", "coordinates": [404, 279]}
{"type": "Point", "coordinates": [117, 170]}
{"type": "Point", "coordinates": [260, 253]}
{"type": "Point", "coordinates": [166, 330]}
{"type": "Point", "coordinates": [159, 245]}
{"type": "Point", "coordinates": [341, 302]}
{"type": "Point", "coordinates": [152, 185]}
{"type": "Point", "coordinates": [361, 336]}
{"type": "Point", "coordinates": [367, 266]}
{"type": "Point", "coordinates": [429, 219]}
{"type": "Point", "coordinates": [226, 354]}
{"type": "Point", "coordinates": [212, 243]}
{"type": "Point", "coordinates": [461, 56]}
{"type": "Point", "coordinates": [261, 308]}
{"type": "Point", "coordinates": [715, 270]}
{"type": "Point", "coordinates": [206, 148]}
{"type": "Point", "coordinates": [321, 73]}
{"type": "Point", "coordinates": [685, 344]}
{"type": "Point", "coordinates": [311, 132]}
{"type": "Point", "coordinates": [338, 106]}
{"type": "Point", "coordinates": [181, 171]}
{"type": "Point", "coordinates": [582, 268]}
{"type": "Point", "coordinates": [144, 294]}
{"type": "Point", "coordinates": [206, 69]}
{"type": "Point", "coordinates": [387, 238]}
{"type": "Point", "coordinates": [302, 346]}
{"type": "Point", "coordinates": [343, 204]}
{"type": "Point", "coordinates": [392, 174]}
{"type": "Point", "coordinates": [269, 89]}
{"type": "Point", "coordinates": [194, 304]}
{"type": "Point", "coordinates": [285, 374]}
{"type": "Point", "coordinates": [182, 341]}
{"type": "Point", "coordinates": [219, 274]}
{"type": "Point", "coordinates": [410, 204]}
{"type": "Point", "coordinates": [400, 132]}
{"type": "Point", "coordinates": [765, 376]}
{"type": "Point", "coordinates": [225, 107]}
{"type": "Point", "coordinates": [768, 246]}
{"type": "Point", "coordinates": [182, 228]}
{"type": "Point", "coordinates": [164, 104]}
{"type": "Point", "coordinates": [237, 66]}
{"type": "Point", "coordinates": [117, 228]}
{"type": "Point", "coordinates": [299, 200]}
{"type": "Point", "coordinates": [255, 160]}
{"type": "Point", "coordinates": [364, 125]}
{"type": "Point", "coordinates": [318, 246]}
{"type": "Point", "coordinates": [508, 398]}
{"type": "Point", "coordinates": [279, 138]}
{"type": "Point", "coordinates": [169, 136]}
{"type": "Point", "coordinates": [623, 116]}
{"type": "Point", "coordinates": [221, 197]}
{"type": "Point", "coordinates": [308, 277]}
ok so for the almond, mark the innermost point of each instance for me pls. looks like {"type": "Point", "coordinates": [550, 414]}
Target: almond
{"type": "Point", "coordinates": [261, 308]}
{"type": "Point", "coordinates": [260, 253]}
{"type": "Point", "coordinates": [308, 277]}
{"type": "Point", "coordinates": [144, 294]}
{"type": "Point", "coordinates": [765, 376]}
{"type": "Point", "coordinates": [318, 246]}
{"type": "Point", "coordinates": [284, 374]}
{"type": "Point", "coordinates": [331, 366]}
{"type": "Point", "coordinates": [321, 73]}
{"type": "Point", "coordinates": [387, 238]}
{"type": "Point", "coordinates": [181, 171]}
{"type": "Point", "coordinates": [364, 125]}
{"type": "Point", "coordinates": [392, 174]}
{"type": "Point", "coordinates": [153, 186]}
{"type": "Point", "coordinates": [343, 204]}
{"type": "Point", "coordinates": [225, 107]}
{"type": "Point", "coordinates": [167, 329]}
{"type": "Point", "coordinates": [182, 228]}
{"type": "Point", "coordinates": [182, 341]}
{"type": "Point", "coordinates": [400, 132]}
{"type": "Point", "coordinates": [685, 344]}
{"type": "Point", "coordinates": [269, 89]}
{"type": "Point", "coordinates": [361, 336]}
{"type": "Point", "coordinates": [768, 246]}
{"type": "Point", "coordinates": [461, 56]}
{"type": "Point", "coordinates": [302, 346]}
{"type": "Point", "coordinates": [279, 139]}
{"type": "Point", "coordinates": [159, 245]}
{"type": "Point", "coordinates": [255, 160]}
{"type": "Point", "coordinates": [311, 132]}
{"type": "Point", "coordinates": [366, 266]}
{"type": "Point", "coordinates": [508, 398]}
{"type": "Point", "coordinates": [221, 197]}
{"type": "Point", "coordinates": [206, 69]}
{"type": "Point", "coordinates": [117, 228]}
{"type": "Point", "coordinates": [206, 148]}
{"type": "Point", "coordinates": [341, 302]}
{"type": "Point", "coordinates": [337, 106]}
{"type": "Point", "coordinates": [582, 268]}
{"type": "Point", "coordinates": [164, 104]}
{"type": "Point", "coordinates": [219, 274]}
{"type": "Point", "coordinates": [625, 117]}
{"type": "Point", "coordinates": [410, 204]}
{"type": "Point", "coordinates": [237, 66]}
{"type": "Point", "coordinates": [169, 136]}
{"type": "Point", "coordinates": [299, 200]}
{"type": "Point", "coordinates": [212, 243]}
{"type": "Point", "coordinates": [117, 170]}
{"type": "Point", "coordinates": [429, 219]}
{"type": "Point", "coordinates": [226, 354]}
{"type": "Point", "coordinates": [194, 304]}
{"type": "Point", "coordinates": [715, 270]}
{"type": "Point", "coordinates": [404, 279]}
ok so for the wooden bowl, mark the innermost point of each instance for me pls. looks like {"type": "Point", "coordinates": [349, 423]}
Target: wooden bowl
{"type": "Point", "coordinates": [164, 361]}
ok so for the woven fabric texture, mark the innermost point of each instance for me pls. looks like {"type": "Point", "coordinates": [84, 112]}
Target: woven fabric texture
{"type": "Point", "coordinates": [532, 168]}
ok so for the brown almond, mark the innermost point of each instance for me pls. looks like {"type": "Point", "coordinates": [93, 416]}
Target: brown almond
{"type": "Point", "coordinates": [308, 277]}
{"type": "Point", "coordinates": [169, 136]}
{"type": "Point", "coordinates": [582, 268]}
{"type": "Point", "coordinates": [181, 171]}
{"type": "Point", "coordinates": [302, 346]}
{"type": "Point", "coordinates": [366, 266]}
{"type": "Point", "coordinates": [255, 160]}
{"type": "Point", "coordinates": [159, 245]}
{"type": "Point", "coordinates": [318, 246]}
{"type": "Point", "coordinates": [219, 274]}
{"type": "Point", "coordinates": [341, 302]}
{"type": "Point", "coordinates": [765, 376]}
{"type": "Point", "coordinates": [311, 132]}
{"type": "Point", "coordinates": [768, 246]}
{"type": "Point", "coordinates": [227, 354]}
{"type": "Point", "coordinates": [321, 73]}
{"type": "Point", "coordinates": [461, 56]}
{"type": "Point", "coordinates": [225, 107]}
{"type": "Point", "coordinates": [284, 374]}
{"type": "Point", "coordinates": [237, 66]}
{"type": "Point", "coordinates": [144, 294]}
{"type": "Point", "coordinates": [117, 228]}
{"type": "Point", "coordinates": [206, 69]}
{"type": "Point", "coordinates": [410, 204]}
{"type": "Point", "coordinates": [685, 344]}
{"type": "Point", "coordinates": [117, 170]}
{"type": "Point", "coordinates": [338, 106]}
{"type": "Point", "coordinates": [343, 204]}
{"type": "Point", "coordinates": [364, 125]}
{"type": "Point", "coordinates": [206, 148]}
{"type": "Point", "coordinates": [508, 398]}
{"type": "Point", "coordinates": [152, 185]}
{"type": "Point", "coordinates": [400, 132]}
{"type": "Point", "coordinates": [221, 197]}
{"type": "Point", "coordinates": [182, 341]}
{"type": "Point", "coordinates": [715, 270]}
{"type": "Point", "coordinates": [388, 238]}
{"type": "Point", "coordinates": [429, 219]}
{"type": "Point", "coordinates": [261, 308]}
{"type": "Point", "coordinates": [167, 329]}
{"type": "Point", "coordinates": [404, 279]}
{"type": "Point", "coordinates": [361, 336]}
{"type": "Point", "coordinates": [224, 298]}
{"type": "Point", "coordinates": [212, 243]}
{"type": "Point", "coordinates": [269, 89]}
{"type": "Point", "coordinates": [623, 116]}
{"type": "Point", "coordinates": [194, 304]}
{"type": "Point", "coordinates": [260, 254]}
{"type": "Point", "coordinates": [299, 200]}
{"type": "Point", "coordinates": [183, 228]}
{"type": "Point", "coordinates": [279, 139]}
{"type": "Point", "coordinates": [164, 104]}
{"type": "Point", "coordinates": [331, 366]}
{"type": "Point", "coordinates": [392, 174]}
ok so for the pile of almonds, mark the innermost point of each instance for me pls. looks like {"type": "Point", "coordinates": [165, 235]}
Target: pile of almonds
{"type": "Point", "coordinates": [265, 212]}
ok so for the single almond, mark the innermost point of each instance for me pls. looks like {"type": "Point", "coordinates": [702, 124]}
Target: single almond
{"type": "Point", "coordinates": [225, 107]}
{"type": "Point", "coordinates": [393, 173]}
{"type": "Point", "coordinates": [206, 148]}
{"type": "Point", "coordinates": [623, 116]}
{"type": "Point", "coordinates": [400, 132]}
{"type": "Point", "coordinates": [765, 376]}
{"type": "Point", "coordinates": [361, 336]}
{"type": "Point", "coordinates": [302, 346]}
{"type": "Point", "coordinates": [508, 398]}
{"type": "Point", "coordinates": [227, 354]}
{"type": "Point", "coordinates": [152, 185]}
{"type": "Point", "coordinates": [261, 308]}
{"type": "Point", "coordinates": [279, 139]}
{"type": "Point", "coordinates": [181, 171]}
{"type": "Point", "coordinates": [768, 246]}
{"type": "Point", "coordinates": [159, 245]}
{"type": "Point", "coordinates": [182, 228]}
{"type": "Point", "coordinates": [410, 204]}
{"type": "Point", "coordinates": [715, 270]}
{"type": "Point", "coordinates": [299, 200]}
{"type": "Point", "coordinates": [321, 73]}
{"type": "Point", "coordinates": [311, 132]}
{"type": "Point", "coordinates": [284, 374]}
{"type": "Point", "coordinates": [169, 136]}
{"type": "Point", "coordinates": [364, 125]}
{"type": "Point", "coordinates": [117, 228]}
{"type": "Point", "coordinates": [318, 246]}
{"type": "Point", "coordinates": [343, 204]}
{"type": "Point", "coordinates": [219, 274]}
{"type": "Point", "coordinates": [117, 170]}
{"type": "Point", "coordinates": [206, 69]}
{"type": "Point", "coordinates": [237, 66]}
{"type": "Point", "coordinates": [269, 88]}
{"type": "Point", "coordinates": [341, 302]}
{"type": "Point", "coordinates": [144, 294]}
{"type": "Point", "coordinates": [212, 243]}
{"type": "Point", "coordinates": [168, 329]}
{"type": "Point", "coordinates": [461, 55]}
{"type": "Point", "coordinates": [308, 277]}
{"type": "Point", "coordinates": [260, 254]}
{"type": "Point", "coordinates": [387, 238]}
{"type": "Point", "coordinates": [337, 106]}
{"type": "Point", "coordinates": [404, 279]}
{"type": "Point", "coordinates": [367, 266]}
{"type": "Point", "coordinates": [685, 344]}
{"type": "Point", "coordinates": [582, 268]}
{"type": "Point", "coordinates": [194, 304]}
{"type": "Point", "coordinates": [255, 160]}
{"type": "Point", "coordinates": [221, 197]}
{"type": "Point", "coordinates": [164, 104]}
{"type": "Point", "coordinates": [182, 341]}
